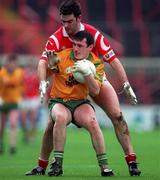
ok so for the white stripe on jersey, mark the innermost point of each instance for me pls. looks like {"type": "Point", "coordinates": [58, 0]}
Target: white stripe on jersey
{"type": "Point", "coordinates": [103, 46]}
{"type": "Point", "coordinates": [55, 40]}
{"type": "Point", "coordinates": [96, 36]}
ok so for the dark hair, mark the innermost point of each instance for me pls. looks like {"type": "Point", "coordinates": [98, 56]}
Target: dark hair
{"type": "Point", "coordinates": [79, 36]}
{"type": "Point", "coordinates": [68, 7]}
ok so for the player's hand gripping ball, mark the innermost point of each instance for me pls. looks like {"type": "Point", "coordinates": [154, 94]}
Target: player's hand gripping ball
{"type": "Point", "coordinates": [83, 68]}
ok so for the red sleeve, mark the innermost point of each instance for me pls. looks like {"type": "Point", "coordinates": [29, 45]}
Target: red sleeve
{"type": "Point", "coordinates": [52, 44]}
{"type": "Point", "coordinates": [102, 46]}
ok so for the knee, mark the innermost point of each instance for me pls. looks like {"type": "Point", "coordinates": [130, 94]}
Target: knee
{"type": "Point", "coordinates": [60, 120]}
{"type": "Point", "coordinates": [93, 126]}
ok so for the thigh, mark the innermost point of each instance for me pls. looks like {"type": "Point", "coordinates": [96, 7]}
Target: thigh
{"type": "Point", "coordinates": [84, 114]}
{"type": "Point", "coordinates": [59, 111]}
{"type": "Point", "coordinates": [107, 99]}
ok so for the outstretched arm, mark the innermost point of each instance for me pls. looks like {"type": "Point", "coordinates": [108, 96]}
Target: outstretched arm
{"type": "Point", "coordinates": [121, 74]}
{"type": "Point", "coordinates": [42, 73]}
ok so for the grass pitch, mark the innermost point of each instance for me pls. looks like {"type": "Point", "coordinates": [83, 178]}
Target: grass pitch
{"type": "Point", "coordinates": [79, 159]}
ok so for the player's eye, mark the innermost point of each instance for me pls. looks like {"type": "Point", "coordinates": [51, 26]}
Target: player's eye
{"type": "Point", "coordinates": [79, 45]}
{"type": "Point", "coordinates": [74, 44]}
{"type": "Point", "coordinates": [69, 22]}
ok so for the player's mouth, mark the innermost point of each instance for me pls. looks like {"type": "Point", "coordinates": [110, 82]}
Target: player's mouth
{"type": "Point", "coordinates": [76, 53]}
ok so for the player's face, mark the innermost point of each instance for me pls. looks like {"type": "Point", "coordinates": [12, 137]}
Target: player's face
{"type": "Point", "coordinates": [11, 65]}
{"type": "Point", "coordinates": [70, 23]}
{"type": "Point", "coordinates": [80, 49]}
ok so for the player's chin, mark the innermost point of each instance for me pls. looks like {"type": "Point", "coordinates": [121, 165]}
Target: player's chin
{"type": "Point", "coordinates": [78, 56]}
{"type": "Point", "coordinates": [69, 32]}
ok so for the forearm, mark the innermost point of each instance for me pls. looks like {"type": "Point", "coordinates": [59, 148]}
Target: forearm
{"type": "Point", "coordinates": [42, 70]}
{"type": "Point", "coordinates": [93, 85]}
{"type": "Point", "coordinates": [119, 70]}
{"type": "Point", "coordinates": [127, 89]}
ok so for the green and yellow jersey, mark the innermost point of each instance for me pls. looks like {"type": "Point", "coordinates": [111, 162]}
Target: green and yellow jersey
{"type": "Point", "coordinates": [11, 85]}
{"type": "Point", "coordinates": [64, 85]}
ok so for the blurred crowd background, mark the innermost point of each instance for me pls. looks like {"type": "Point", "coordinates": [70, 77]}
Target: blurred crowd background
{"type": "Point", "coordinates": [132, 28]}
{"type": "Point", "coordinates": [133, 25]}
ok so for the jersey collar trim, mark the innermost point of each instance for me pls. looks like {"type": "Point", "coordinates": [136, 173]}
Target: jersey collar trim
{"type": "Point", "coordinates": [74, 59]}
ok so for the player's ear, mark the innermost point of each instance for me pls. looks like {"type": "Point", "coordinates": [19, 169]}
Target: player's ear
{"type": "Point", "coordinates": [91, 47]}
{"type": "Point", "coordinates": [79, 18]}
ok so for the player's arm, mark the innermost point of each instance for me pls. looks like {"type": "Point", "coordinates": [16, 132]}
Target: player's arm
{"type": "Point", "coordinates": [42, 74]}
{"type": "Point", "coordinates": [92, 85]}
{"type": "Point", "coordinates": [119, 69]}
{"type": "Point", "coordinates": [109, 56]}
{"type": "Point", "coordinates": [127, 89]}
{"type": "Point", "coordinates": [98, 79]}
{"type": "Point", "coordinates": [46, 64]}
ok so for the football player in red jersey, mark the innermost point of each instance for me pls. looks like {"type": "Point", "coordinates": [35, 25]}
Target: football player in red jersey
{"type": "Point", "coordinates": [30, 103]}
{"type": "Point", "coordinates": [70, 13]}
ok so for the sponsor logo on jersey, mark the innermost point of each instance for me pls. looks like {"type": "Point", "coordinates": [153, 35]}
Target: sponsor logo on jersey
{"type": "Point", "coordinates": [109, 55]}
{"type": "Point", "coordinates": [71, 81]}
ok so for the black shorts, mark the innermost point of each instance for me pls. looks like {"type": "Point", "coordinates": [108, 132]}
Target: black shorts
{"type": "Point", "coordinates": [6, 107]}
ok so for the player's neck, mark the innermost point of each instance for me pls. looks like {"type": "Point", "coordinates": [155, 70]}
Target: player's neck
{"type": "Point", "coordinates": [76, 30]}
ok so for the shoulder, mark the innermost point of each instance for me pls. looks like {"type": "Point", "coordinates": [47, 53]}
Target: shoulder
{"type": "Point", "coordinates": [64, 53]}
{"type": "Point", "coordinates": [95, 58]}
{"type": "Point", "coordinates": [58, 32]}
{"type": "Point", "coordinates": [91, 29]}
{"type": "Point", "coordinates": [56, 35]}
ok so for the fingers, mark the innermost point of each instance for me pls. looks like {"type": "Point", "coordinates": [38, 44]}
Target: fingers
{"type": "Point", "coordinates": [75, 69]}
{"type": "Point", "coordinates": [43, 88]}
{"type": "Point", "coordinates": [52, 56]}
{"type": "Point", "coordinates": [72, 69]}
{"type": "Point", "coordinates": [132, 97]}
{"type": "Point", "coordinates": [41, 97]}
{"type": "Point", "coordinates": [47, 84]}
{"type": "Point", "coordinates": [51, 53]}
{"type": "Point", "coordinates": [133, 100]}
{"type": "Point", "coordinates": [130, 93]}
{"type": "Point", "coordinates": [78, 67]}
{"type": "Point", "coordinates": [52, 59]}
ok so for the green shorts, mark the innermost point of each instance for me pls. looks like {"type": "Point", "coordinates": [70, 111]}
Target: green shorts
{"type": "Point", "coordinates": [6, 107]}
{"type": "Point", "coordinates": [71, 104]}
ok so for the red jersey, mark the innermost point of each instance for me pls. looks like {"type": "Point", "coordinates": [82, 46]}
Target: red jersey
{"type": "Point", "coordinates": [60, 41]}
{"type": "Point", "coordinates": [31, 83]}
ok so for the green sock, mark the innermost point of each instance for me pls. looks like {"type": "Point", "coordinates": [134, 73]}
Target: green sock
{"type": "Point", "coordinates": [58, 155]}
{"type": "Point", "coordinates": [102, 159]}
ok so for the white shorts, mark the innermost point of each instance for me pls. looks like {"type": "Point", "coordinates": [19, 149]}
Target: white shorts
{"type": "Point", "coordinates": [30, 103]}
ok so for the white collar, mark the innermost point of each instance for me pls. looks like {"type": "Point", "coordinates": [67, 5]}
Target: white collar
{"type": "Point", "coordinates": [65, 33]}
